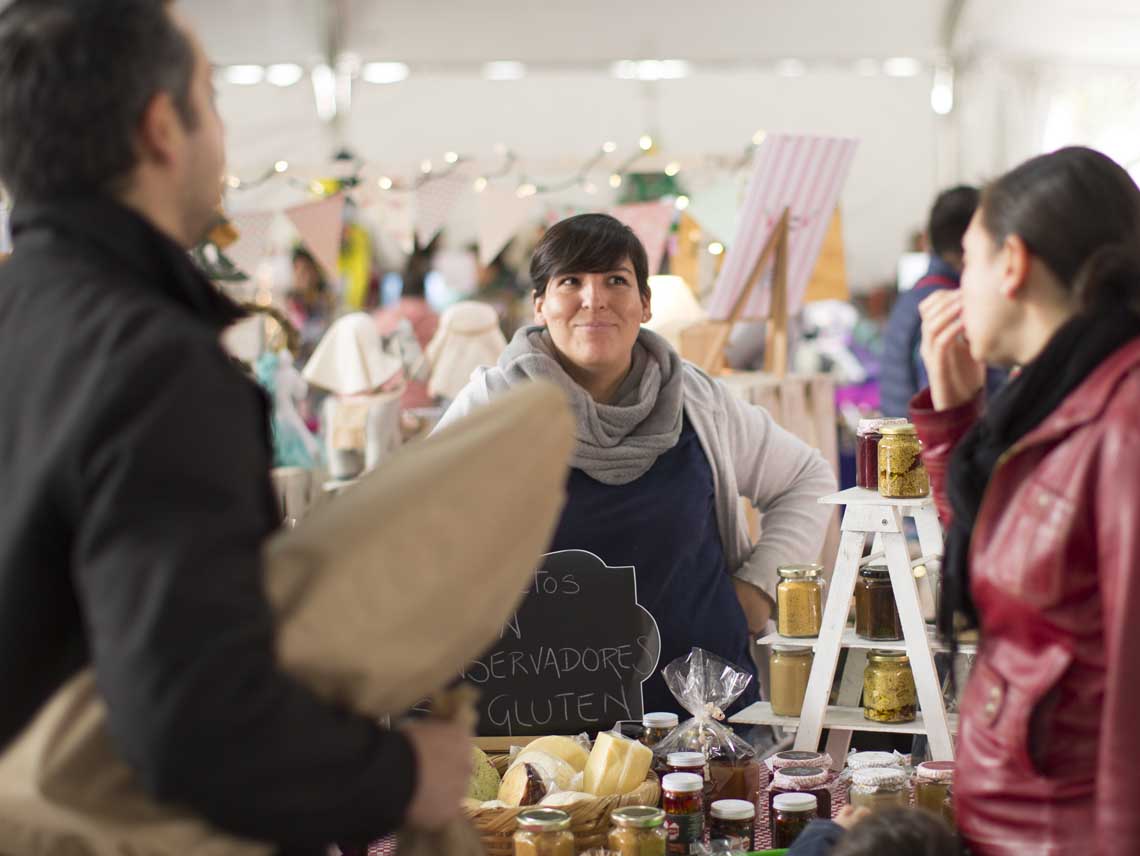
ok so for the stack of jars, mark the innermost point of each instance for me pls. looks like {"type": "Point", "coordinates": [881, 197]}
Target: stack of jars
{"type": "Point", "coordinates": [867, 437]}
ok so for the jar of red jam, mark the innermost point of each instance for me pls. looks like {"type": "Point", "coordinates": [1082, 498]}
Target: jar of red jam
{"type": "Point", "coordinates": [683, 798]}
{"type": "Point", "coordinates": [867, 437]}
{"type": "Point", "coordinates": [807, 780]}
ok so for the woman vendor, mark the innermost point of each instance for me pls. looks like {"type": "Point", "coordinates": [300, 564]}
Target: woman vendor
{"type": "Point", "coordinates": [663, 452]}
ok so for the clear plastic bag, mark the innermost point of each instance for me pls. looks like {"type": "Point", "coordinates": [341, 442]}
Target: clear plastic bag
{"type": "Point", "coordinates": [705, 685]}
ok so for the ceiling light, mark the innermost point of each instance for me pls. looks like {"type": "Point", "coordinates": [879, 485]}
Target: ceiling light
{"type": "Point", "coordinates": [284, 74]}
{"type": "Point", "coordinates": [451, 157]}
{"type": "Point", "coordinates": [902, 66]}
{"type": "Point", "coordinates": [281, 166]}
{"type": "Point", "coordinates": [609, 147]}
{"type": "Point", "coordinates": [682, 203]}
{"type": "Point", "coordinates": [615, 181]}
{"type": "Point", "coordinates": [385, 183]}
{"type": "Point", "coordinates": [672, 169]}
{"type": "Point", "coordinates": [716, 248]}
{"type": "Point", "coordinates": [385, 72]}
{"type": "Point", "coordinates": [504, 70]}
{"type": "Point", "coordinates": [244, 75]}
{"type": "Point", "coordinates": [526, 190]}
{"type": "Point", "coordinates": [480, 184]}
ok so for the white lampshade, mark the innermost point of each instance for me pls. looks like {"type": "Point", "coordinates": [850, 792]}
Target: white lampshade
{"type": "Point", "coordinates": [674, 306]}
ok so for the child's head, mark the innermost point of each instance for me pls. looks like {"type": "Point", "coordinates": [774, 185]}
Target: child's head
{"type": "Point", "coordinates": [900, 832]}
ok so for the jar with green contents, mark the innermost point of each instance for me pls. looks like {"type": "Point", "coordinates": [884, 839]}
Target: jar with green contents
{"type": "Point", "coordinates": [789, 668]}
{"type": "Point", "coordinates": [544, 832]}
{"type": "Point", "coordinates": [876, 613]}
{"type": "Point", "coordinates": [799, 600]}
{"type": "Point", "coordinates": [638, 831]}
{"type": "Point", "coordinates": [879, 788]}
{"type": "Point", "coordinates": [888, 688]}
{"type": "Point", "coordinates": [902, 474]}
{"type": "Point", "coordinates": [932, 781]}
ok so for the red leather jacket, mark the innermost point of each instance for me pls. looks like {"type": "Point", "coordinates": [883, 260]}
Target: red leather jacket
{"type": "Point", "coordinates": [1049, 740]}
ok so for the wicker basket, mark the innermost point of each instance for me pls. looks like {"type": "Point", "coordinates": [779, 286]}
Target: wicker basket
{"type": "Point", "coordinates": [589, 819]}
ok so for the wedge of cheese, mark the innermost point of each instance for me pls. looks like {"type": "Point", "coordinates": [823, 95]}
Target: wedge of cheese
{"type": "Point", "coordinates": [617, 765]}
{"type": "Point", "coordinates": [569, 750]}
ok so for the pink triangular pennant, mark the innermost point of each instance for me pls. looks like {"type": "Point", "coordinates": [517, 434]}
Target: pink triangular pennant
{"type": "Point", "coordinates": [651, 222]}
{"type": "Point", "coordinates": [435, 200]}
{"type": "Point", "coordinates": [320, 225]}
{"type": "Point", "coordinates": [501, 214]}
{"type": "Point", "coordinates": [254, 231]}
{"type": "Point", "coordinates": [391, 217]}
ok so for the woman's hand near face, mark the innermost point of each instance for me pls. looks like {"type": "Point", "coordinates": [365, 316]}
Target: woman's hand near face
{"type": "Point", "coordinates": [955, 376]}
{"type": "Point", "coordinates": [756, 605]}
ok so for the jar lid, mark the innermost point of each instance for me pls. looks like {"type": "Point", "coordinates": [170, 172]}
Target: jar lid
{"type": "Point", "coordinates": [864, 760]}
{"type": "Point", "coordinates": [660, 720]}
{"type": "Point", "coordinates": [799, 572]}
{"type": "Point", "coordinates": [685, 759]}
{"type": "Point", "coordinates": [875, 572]}
{"type": "Point", "coordinates": [880, 655]}
{"type": "Point", "coordinates": [879, 778]}
{"type": "Point", "coordinates": [543, 820]}
{"type": "Point", "coordinates": [792, 758]}
{"type": "Point", "coordinates": [935, 771]}
{"type": "Point", "coordinates": [870, 426]}
{"type": "Point", "coordinates": [683, 783]}
{"type": "Point", "coordinates": [790, 778]}
{"type": "Point", "coordinates": [795, 802]}
{"type": "Point", "coordinates": [733, 810]}
{"type": "Point", "coordinates": [904, 430]}
{"type": "Point", "coordinates": [791, 649]}
{"type": "Point", "coordinates": [639, 817]}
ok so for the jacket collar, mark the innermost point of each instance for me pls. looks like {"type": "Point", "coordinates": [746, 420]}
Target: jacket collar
{"type": "Point", "coordinates": [116, 231]}
{"type": "Point", "coordinates": [942, 270]}
{"type": "Point", "coordinates": [1088, 401]}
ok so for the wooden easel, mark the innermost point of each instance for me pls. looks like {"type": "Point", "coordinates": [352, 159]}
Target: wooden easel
{"type": "Point", "coordinates": [704, 343]}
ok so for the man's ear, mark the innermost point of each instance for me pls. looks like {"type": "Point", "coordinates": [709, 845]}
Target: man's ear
{"type": "Point", "coordinates": [160, 132]}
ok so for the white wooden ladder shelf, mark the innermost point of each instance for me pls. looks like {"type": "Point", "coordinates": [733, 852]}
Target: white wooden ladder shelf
{"type": "Point", "coordinates": [868, 514]}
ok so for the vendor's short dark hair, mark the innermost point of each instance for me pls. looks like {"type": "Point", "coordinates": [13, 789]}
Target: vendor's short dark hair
{"type": "Point", "coordinates": [588, 243]}
{"type": "Point", "coordinates": [950, 216]}
{"type": "Point", "coordinates": [76, 77]}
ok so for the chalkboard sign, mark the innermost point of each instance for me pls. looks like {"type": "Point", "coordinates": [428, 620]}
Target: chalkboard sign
{"type": "Point", "coordinates": [574, 656]}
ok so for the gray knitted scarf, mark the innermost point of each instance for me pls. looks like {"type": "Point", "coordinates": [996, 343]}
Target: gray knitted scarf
{"type": "Point", "coordinates": [618, 442]}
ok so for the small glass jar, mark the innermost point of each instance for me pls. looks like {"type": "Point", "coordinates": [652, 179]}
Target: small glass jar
{"type": "Point", "coordinates": [807, 780]}
{"type": "Point", "coordinates": [638, 831]}
{"type": "Point", "coordinates": [876, 613]}
{"type": "Point", "coordinates": [658, 726]}
{"type": "Point", "coordinates": [735, 779]}
{"type": "Point", "coordinates": [544, 832]}
{"type": "Point", "coordinates": [901, 471]}
{"type": "Point", "coordinates": [687, 762]}
{"type": "Point", "coordinates": [734, 821]}
{"type": "Point", "coordinates": [799, 600]}
{"type": "Point", "coordinates": [879, 788]}
{"type": "Point", "coordinates": [789, 668]}
{"type": "Point", "coordinates": [682, 795]}
{"type": "Point", "coordinates": [791, 814]}
{"type": "Point", "coordinates": [888, 688]}
{"type": "Point", "coordinates": [867, 437]}
{"type": "Point", "coordinates": [932, 781]}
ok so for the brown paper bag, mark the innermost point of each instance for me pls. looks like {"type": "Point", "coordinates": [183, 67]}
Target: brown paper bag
{"type": "Point", "coordinates": [381, 595]}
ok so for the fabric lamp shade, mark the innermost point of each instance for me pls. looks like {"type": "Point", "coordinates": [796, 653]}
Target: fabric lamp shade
{"type": "Point", "coordinates": [350, 359]}
{"type": "Point", "coordinates": [468, 337]}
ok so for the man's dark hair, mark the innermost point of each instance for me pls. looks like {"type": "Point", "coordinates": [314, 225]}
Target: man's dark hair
{"type": "Point", "coordinates": [900, 832]}
{"type": "Point", "coordinates": [950, 217]}
{"type": "Point", "coordinates": [75, 79]}
{"type": "Point", "coordinates": [588, 243]}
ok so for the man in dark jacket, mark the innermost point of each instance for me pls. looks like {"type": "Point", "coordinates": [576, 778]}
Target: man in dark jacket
{"type": "Point", "coordinates": [134, 455]}
{"type": "Point", "coordinates": [903, 375]}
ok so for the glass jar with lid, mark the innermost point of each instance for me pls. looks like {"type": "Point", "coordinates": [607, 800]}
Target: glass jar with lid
{"type": "Point", "coordinates": [867, 760]}
{"type": "Point", "coordinates": [902, 474]}
{"type": "Point", "coordinates": [809, 780]}
{"type": "Point", "coordinates": [932, 781]}
{"type": "Point", "coordinates": [733, 821]}
{"type": "Point", "coordinates": [879, 788]}
{"type": "Point", "coordinates": [799, 600]}
{"type": "Point", "coordinates": [638, 831]}
{"type": "Point", "coordinates": [658, 726]}
{"type": "Point", "coordinates": [544, 832]}
{"type": "Point", "coordinates": [867, 437]}
{"type": "Point", "coordinates": [888, 687]}
{"type": "Point", "coordinates": [682, 795]}
{"type": "Point", "coordinates": [791, 814]}
{"type": "Point", "coordinates": [794, 758]}
{"type": "Point", "coordinates": [789, 668]}
{"type": "Point", "coordinates": [876, 613]}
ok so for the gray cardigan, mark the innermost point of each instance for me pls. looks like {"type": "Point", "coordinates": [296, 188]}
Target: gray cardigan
{"type": "Point", "coordinates": [751, 457]}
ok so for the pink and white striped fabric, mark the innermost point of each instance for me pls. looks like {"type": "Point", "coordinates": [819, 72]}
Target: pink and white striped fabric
{"type": "Point", "coordinates": [805, 174]}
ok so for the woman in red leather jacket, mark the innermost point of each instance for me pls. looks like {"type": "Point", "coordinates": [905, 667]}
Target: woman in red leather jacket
{"type": "Point", "coordinates": [1040, 490]}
